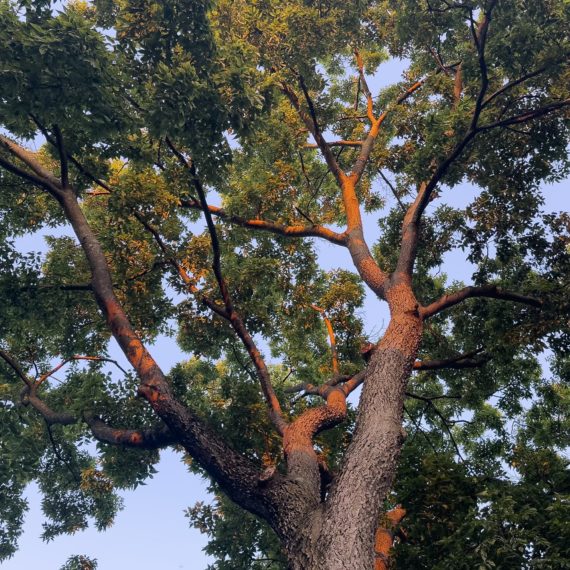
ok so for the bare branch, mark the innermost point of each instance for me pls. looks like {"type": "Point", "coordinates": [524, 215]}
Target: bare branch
{"type": "Point", "coordinates": [71, 158]}
{"type": "Point", "coordinates": [512, 84]}
{"type": "Point", "coordinates": [140, 439]}
{"type": "Point", "coordinates": [392, 189]}
{"type": "Point", "coordinates": [490, 291]}
{"type": "Point", "coordinates": [271, 227]}
{"type": "Point", "coordinates": [456, 362]}
{"type": "Point", "coordinates": [365, 89]}
{"type": "Point", "coordinates": [526, 116]}
{"type": "Point", "coordinates": [234, 318]}
{"type": "Point", "coordinates": [342, 143]}
{"type": "Point", "coordinates": [75, 357]}
{"type": "Point", "coordinates": [332, 339]}
{"type": "Point", "coordinates": [188, 281]}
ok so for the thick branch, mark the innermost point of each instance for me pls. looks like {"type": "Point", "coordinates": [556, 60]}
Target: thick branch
{"type": "Point", "coordinates": [410, 237]}
{"type": "Point", "coordinates": [237, 475]}
{"type": "Point", "coordinates": [490, 291]}
{"type": "Point", "coordinates": [368, 143]}
{"type": "Point", "coordinates": [140, 439]}
{"type": "Point", "coordinates": [39, 176]}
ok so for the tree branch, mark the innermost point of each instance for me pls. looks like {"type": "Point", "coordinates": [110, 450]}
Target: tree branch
{"type": "Point", "coordinates": [279, 229]}
{"type": "Point", "coordinates": [342, 143]}
{"type": "Point", "coordinates": [69, 157]}
{"type": "Point", "coordinates": [188, 281]}
{"type": "Point", "coordinates": [39, 176]}
{"type": "Point", "coordinates": [365, 89]}
{"type": "Point", "coordinates": [140, 439]}
{"type": "Point", "coordinates": [234, 318]}
{"type": "Point", "coordinates": [490, 291]}
{"type": "Point", "coordinates": [512, 84]}
{"type": "Point", "coordinates": [444, 421]}
{"type": "Point", "coordinates": [526, 116]}
{"type": "Point", "coordinates": [332, 339]}
{"type": "Point", "coordinates": [480, 40]}
{"type": "Point", "coordinates": [45, 376]}
{"type": "Point", "coordinates": [368, 143]}
{"type": "Point", "coordinates": [236, 475]}
{"type": "Point", "coordinates": [456, 362]}
{"type": "Point", "coordinates": [392, 189]}
{"type": "Point", "coordinates": [15, 366]}
{"type": "Point", "coordinates": [385, 535]}
{"type": "Point", "coordinates": [313, 127]}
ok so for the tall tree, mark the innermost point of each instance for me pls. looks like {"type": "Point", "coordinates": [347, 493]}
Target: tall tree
{"type": "Point", "coordinates": [260, 118]}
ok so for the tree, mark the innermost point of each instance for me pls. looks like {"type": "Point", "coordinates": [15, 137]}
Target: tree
{"type": "Point", "coordinates": [151, 113]}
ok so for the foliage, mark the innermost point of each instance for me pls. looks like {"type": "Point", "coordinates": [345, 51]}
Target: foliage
{"type": "Point", "coordinates": [126, 89]}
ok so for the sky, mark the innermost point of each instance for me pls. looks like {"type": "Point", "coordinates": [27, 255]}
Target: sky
{"type": "Point", "coordinates": [152, 531]}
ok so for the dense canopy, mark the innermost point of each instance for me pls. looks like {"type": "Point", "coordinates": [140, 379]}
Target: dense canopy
{"type": "Point", "coordinates": [185, 158]}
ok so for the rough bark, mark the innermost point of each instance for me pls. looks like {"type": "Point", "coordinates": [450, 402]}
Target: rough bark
{"type": "Point", "coordinates": [340, 533]}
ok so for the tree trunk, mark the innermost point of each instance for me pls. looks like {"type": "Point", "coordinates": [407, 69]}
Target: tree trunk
{"type": "Point", "coordinates": [341, 535]}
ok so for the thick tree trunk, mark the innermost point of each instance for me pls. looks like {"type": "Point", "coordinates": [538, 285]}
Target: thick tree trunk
{"type": "Point", "coordinates": [340, 535]}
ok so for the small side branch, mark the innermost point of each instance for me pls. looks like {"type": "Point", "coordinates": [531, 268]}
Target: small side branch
{"type": "Point", "coordinates": [489, 291]}
{"type": "Point", "coordinates": [364, 86]}
{"type": "Point", "coordinates": [444, 421]}
{"type": "Point", "coordinates": [234, 318]}
{"type": "Point", "coordinates": [139, 439]}
{"type": "Point", "coordinates": [458, 362]}
{"type": "Point", "coordinates": [188, 281]}
{"type": "Point", "coordinates": [294, 231]}
{"type": "Point", "coordinates": [332, 339]}
{"type": "Point", "coordinates": [76, 357]}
